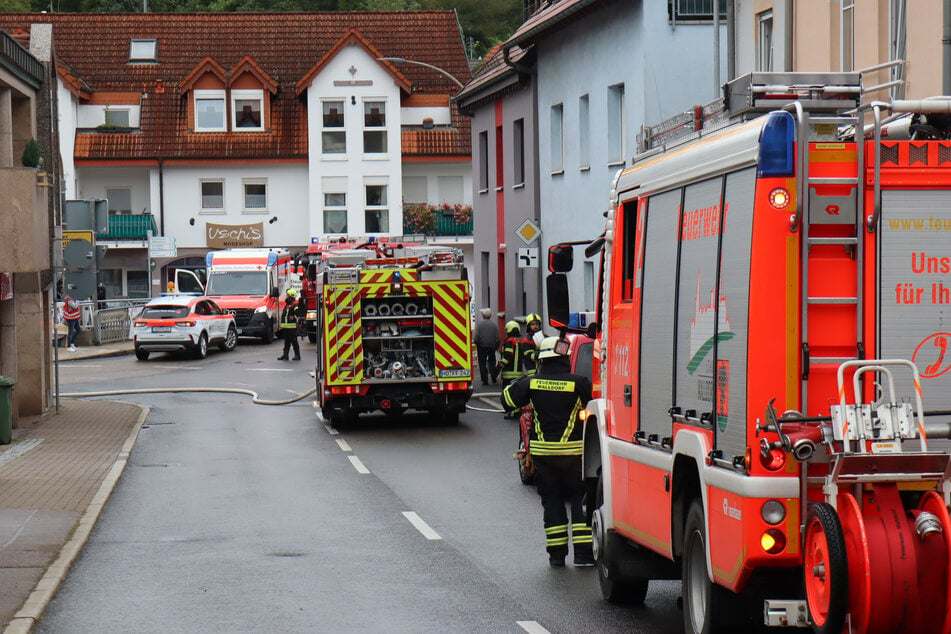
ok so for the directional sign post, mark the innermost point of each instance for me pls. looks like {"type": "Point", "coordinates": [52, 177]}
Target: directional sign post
{"type": "Point", "coordinates": [163, 247]}
{"type": "Point", "coordinates": [528, 258]}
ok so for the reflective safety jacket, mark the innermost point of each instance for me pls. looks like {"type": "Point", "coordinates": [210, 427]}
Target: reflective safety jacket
{"type": "Point", "coordinates": [71, 310]}
{"type": "Point", "coordinates": [512, 362]}
{"type": "Point", "coordinates": [529, 355]}
{"type": "Point", "coordinates": [556, 397]}
{"type": "Point", "coordinates": [289, 316]}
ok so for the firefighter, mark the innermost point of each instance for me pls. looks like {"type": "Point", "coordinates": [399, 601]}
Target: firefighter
{"type": "Point", "coordinates": [512, 362]}
{"type": "Point", "coordinates": [534, 329]}
{"type": "Point", "coordinates": [289, 318]}
{"type": "Point", "coordinates": [557, 396]}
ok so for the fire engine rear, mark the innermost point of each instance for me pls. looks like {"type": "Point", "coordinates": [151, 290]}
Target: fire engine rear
{"type": "Point", "coordinates": [394, 333]}
{"type": "Point", "coordinates": [773, 324]}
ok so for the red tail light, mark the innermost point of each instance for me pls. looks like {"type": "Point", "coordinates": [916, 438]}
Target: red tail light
{"type": "Point", "coordinates": [185, 324]}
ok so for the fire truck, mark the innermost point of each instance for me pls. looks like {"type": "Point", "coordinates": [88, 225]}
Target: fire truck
{"type": "Point", "coordinates": [249, 283]}
{"type": "Point", "coordinates": [774, 306]}
{"type": "Point", "coordinates": [394, 333]}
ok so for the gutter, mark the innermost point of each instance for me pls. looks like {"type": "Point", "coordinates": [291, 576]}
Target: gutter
{"type": "Point", "coordinates": [518, 66]}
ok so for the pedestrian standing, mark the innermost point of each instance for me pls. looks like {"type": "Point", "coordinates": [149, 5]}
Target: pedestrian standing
{"type": "Point", "coordinates": [557, 396]}
{"type": "Point", "coordinates": [289, 318]}
{"type": "Point", "coordinates": [72, 315]}
{"type": "Point", "coordinates": [487, 341]}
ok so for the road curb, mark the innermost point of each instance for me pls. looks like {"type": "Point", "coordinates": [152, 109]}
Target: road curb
{"type": "Point", "coordinates": [33, 608]}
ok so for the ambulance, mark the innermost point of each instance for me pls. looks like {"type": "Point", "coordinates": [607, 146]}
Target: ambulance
{"type": "Point", "coordinates": [250, 284]}
{"type": "Point", "coordinates": [774, 332]}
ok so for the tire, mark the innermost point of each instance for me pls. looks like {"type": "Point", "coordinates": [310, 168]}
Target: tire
{"type": "Point", "coordinates": [231, 340]}
{"type": "Point", "coordinates": [268, 335]}
{"type": "Point", "coordinates": [141, 355]}
{"type": "Point", "coordinates": [825, 569]}
{"type": "Point", "coordinates": [201, 348]}
{"type": "Point", "coordinates": [613, 590]}
{"type": "Point", "coordinates": [707, 606]}
{"type": "Point", "coordinates": [523, 474]}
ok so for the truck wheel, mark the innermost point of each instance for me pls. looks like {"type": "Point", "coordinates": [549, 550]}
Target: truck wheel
{"type": "Point", "coordinates": [449, 418]}
{"type": "Point", "coordinates": [201, 349]}
{"type": "Point", "coordinates": [706, 605]}
{"type": "Point", "coordinates": [268, 335]}
{"type": "Point", "coordinates": [825, 569]}
{"type": "Point", "coordinates": [141, 355]}
{"type": "Point", "coordinates": [613, 590]}
{"type": "Point", "coordinates": [231, 340]}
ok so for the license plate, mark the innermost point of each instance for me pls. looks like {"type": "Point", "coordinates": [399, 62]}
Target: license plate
{"type": "Point", "coordinates": [454, 374]}
{"type": "Point", "coordinates": [161, 329]}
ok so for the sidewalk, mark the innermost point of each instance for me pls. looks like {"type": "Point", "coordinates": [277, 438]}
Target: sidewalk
{"type": "Point", "coordinates": [55, 478]}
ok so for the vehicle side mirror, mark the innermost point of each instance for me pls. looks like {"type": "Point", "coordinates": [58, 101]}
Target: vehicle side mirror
{"type": "Point", "coordinates": [312, 272]}
{"type": "Point", "coordinates": [560, 258]}
{"type": "Point", "coordinates": [274, 292]}
{"type": "Point", "coordinates": [557, 287]}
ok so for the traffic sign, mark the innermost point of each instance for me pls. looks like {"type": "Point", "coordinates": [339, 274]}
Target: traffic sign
{"type": "Point", "coordinates": [163, 247]}
{"type": "Point", "coordinates": [528, 258]}
{"type": "Point", "coordinates": [528, 231]}
{"type": "Point", "coordinates": [78, 235]}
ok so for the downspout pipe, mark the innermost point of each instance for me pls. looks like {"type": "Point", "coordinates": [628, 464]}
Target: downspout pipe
{"type": "Point", "coordinates": [946, 50]}
{"type": "Point", "coordinates": [788, 35]}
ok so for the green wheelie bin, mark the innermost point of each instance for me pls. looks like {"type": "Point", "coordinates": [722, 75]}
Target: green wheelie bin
{"type": "Point", "coordinates": [6, 409]}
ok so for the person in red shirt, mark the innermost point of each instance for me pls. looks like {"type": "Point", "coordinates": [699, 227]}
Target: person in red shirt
{"type": "Point", "coordinates": [72, 315]}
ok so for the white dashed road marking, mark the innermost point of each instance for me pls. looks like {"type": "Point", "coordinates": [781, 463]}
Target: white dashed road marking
{"type": "Point", "coordinates": [421, 526]}
{"type": "Point", "coordinates": [358, 465]}
{"type": "Point", "coordinates": [331, 430]}
{"type": "Point", "coordinates": [344, 445]}
{"type": "Point", "coordinates": [532, 627]}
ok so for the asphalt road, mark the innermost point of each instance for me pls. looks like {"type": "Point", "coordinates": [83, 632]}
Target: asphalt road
{"type": "Point", "coordinates": [235, 517]}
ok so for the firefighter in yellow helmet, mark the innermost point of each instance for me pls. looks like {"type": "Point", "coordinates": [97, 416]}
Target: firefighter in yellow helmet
{"type": "Point", "coordinates": [289, 317]}
{"type": "Point", "coordinates": [557, 397]}
{"type": "Point", "coordinates": [512, 362]}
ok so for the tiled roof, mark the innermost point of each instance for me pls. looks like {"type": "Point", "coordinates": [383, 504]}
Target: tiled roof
{"type": "Point", "coordinates": [551, 17]}
{"type": "Point", "coordinates": [493, 75]}
{"type": "Point", "coordinates": [93, 50]}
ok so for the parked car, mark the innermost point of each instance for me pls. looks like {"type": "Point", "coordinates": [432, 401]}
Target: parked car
{"type": "Point", "coordinates": [190, 323]}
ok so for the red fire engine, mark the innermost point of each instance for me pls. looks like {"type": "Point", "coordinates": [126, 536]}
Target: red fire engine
{"type": "Point", "coordinates": [776, 294]}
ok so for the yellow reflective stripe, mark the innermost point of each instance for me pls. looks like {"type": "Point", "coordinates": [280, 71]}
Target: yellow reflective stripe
{"type": "Point", "coordinates": [570, 427]}
{"type": "Point", "coordinates": [558, 528]}
{"type": "Point", "coordinates": [582, 539]}
{"type": "Point", "coordinates": [543, 448]}
{"type": "Point", "coordinates": [550, 385]}
{"type": "Point", "coordinates": [556, 542]}
{"type": "Point", "coordinates": [507, 398]}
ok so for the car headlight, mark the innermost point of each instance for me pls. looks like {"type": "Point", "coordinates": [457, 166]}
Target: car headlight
{"type": "Point", "coordinates": [260, 309]}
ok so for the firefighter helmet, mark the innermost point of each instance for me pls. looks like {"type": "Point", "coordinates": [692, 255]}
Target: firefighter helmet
{"type": "Point", "coordinates": [530, 317]}
{"type": "Point", "coordinates": [553, 347]}
{"type": "Point", "coordinates": [291, 292]}
{"type": "Point", "coordinates": [512, 326]}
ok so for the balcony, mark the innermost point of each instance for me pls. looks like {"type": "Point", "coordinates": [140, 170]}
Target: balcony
{"type": "Point", "coordinates": [437, 220]}
{"type": "Point", "coordinates": [133, 227]}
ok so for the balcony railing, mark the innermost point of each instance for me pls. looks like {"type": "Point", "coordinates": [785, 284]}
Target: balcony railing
{"type": "Point", "coordinates": [437, 220]}
{"type": "Point", "coordinates": [134, 227]}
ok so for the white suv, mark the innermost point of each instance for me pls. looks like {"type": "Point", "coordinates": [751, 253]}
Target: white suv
{"type": "Point", "coordinates": [172, 323]}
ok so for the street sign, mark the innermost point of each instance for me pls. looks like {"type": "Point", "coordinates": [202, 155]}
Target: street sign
{"type": "Point", "coordinates": [528, 231]}
{"type": "Point", "coordinates": [163, 247]}
{"type": "Point", "coordinates": [78, 235]}
{"type": "Point", "coordinates": [528, 258]}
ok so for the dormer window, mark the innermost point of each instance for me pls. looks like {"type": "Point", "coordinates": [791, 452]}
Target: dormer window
{"type": "Point", "coordinates": [246, 108]}
{"type": "Point", "coordinates": [144, 50]}
{"type": "Point", "coordinates": [210, 111]}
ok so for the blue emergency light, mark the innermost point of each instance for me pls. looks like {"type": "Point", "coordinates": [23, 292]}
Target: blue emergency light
{"type": "Point", "coordinates": [777, 146]}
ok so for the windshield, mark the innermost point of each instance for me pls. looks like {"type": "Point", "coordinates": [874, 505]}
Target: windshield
{"type": "Point", "coordinates": [237, 283]}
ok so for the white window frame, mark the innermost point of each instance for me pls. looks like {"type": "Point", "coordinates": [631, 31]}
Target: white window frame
{"type": "Point", "coordinates": [764, 41]}
{"type": "Point", "coordinates": [245, 182]}
{"type": "Point", "coordinates": [201, 194]}
{"type": "Point", "coordinates": [342, 128]}
{"type": "Point", "coordinates": [378, 129]}
{"type": "Point", "coordinates": [334, 207]}
{"type": "Point", "coordinates": [143, 50]}
{"type": "Point", "coordinates": [246, 95]}
{"type": "Point", "coordinates": [384, 207]}
{"type": "Point", "coordinates": [211, 95]}
{"type": "Point", "coordinates": [558, 138]}
{"type": "Point", "coordinates": [109, 112]}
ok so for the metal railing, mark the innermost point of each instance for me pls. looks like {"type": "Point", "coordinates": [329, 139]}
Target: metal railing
{"type": "Point", "coordinates": [129, 227]}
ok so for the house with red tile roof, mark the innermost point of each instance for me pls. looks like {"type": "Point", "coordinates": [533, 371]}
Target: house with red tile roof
{"type": "Point", "coordinates": [280, 128]}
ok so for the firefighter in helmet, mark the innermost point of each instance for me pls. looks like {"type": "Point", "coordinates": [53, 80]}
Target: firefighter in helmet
{"type": "Point", "coordinates": [512, 362]}
{"type": "Point", "coordinates": [557, 397]}
{"type": "Point", "coordinates": [289, 317]}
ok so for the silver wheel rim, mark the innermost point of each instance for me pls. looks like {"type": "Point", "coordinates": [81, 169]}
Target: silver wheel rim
{"type": "Point", "coordinates": [231, 338]}
{"type": "Point", "coordinates": [202, 345]}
